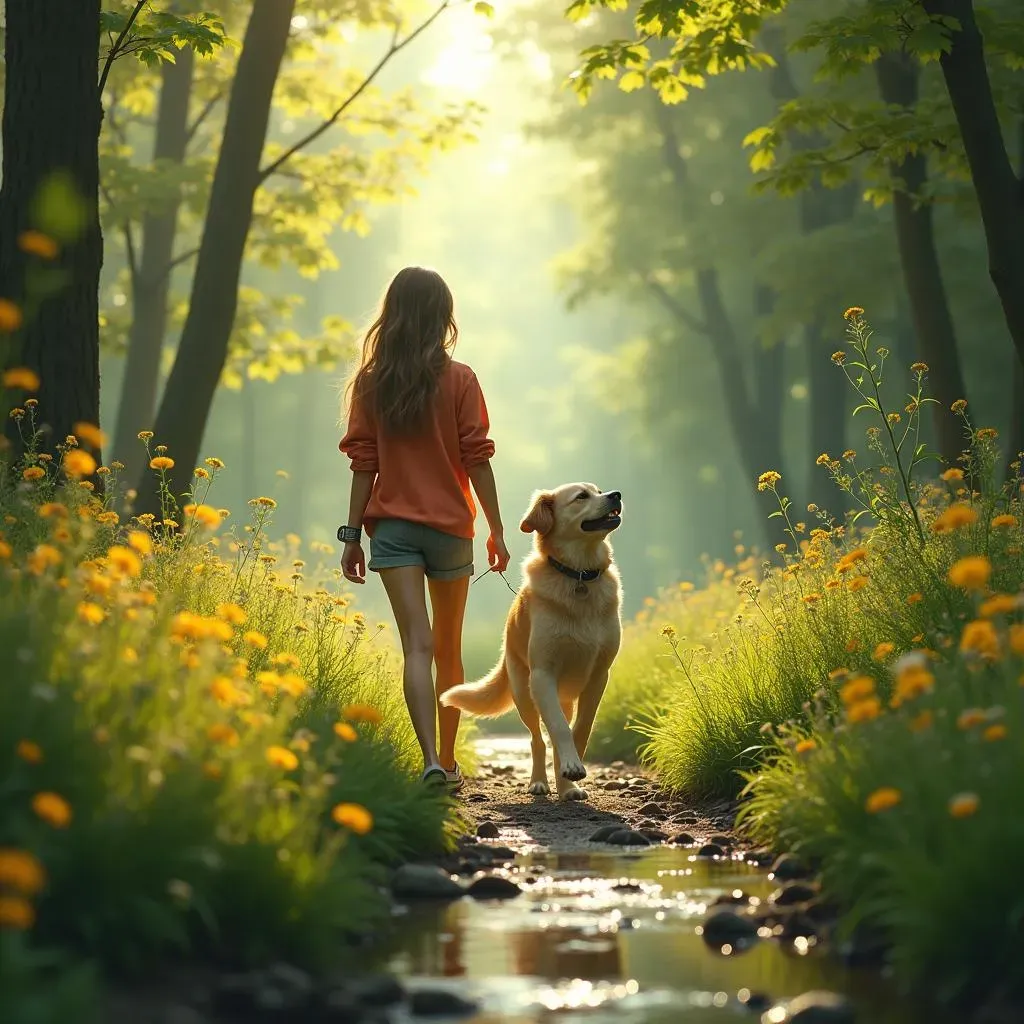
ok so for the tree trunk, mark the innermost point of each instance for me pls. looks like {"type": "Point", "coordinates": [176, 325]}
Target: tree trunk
{"type": "Point", "coordinates": [152, 277]}
{"type": "Point", "coordinates": [51, 126]}
{"type": "Point", "coordinates": [1000, 192]}
{"type": "Point", "coordinates": [759, 444]}
{"type": "Point", "coordinates": [919, 259]}
{"type": "Point", "coordinates": [188, 396]}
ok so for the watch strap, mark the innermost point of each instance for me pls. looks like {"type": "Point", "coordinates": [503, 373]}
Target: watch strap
{"type": "Point", "coordinates": [349, 534]}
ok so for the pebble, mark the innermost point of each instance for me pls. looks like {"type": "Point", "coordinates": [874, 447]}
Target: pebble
{"type": "Point", "coordinates": [615, 784]}
{"type": "Point", "coordinates": [711, 850]}
{"type": "Point", "coordinates": [654, 834]}
{"type": "Point", "coordinates": [499, 852]}
{"type": "Point", "coordinates": [377, 990]}
{"type": "Point", "coordinates": [652, 810]}
{"type": "Point", "coordinates": [493, 887]}
{"type": "Point", "coordinates": [736, 898]}
{"type": "Point", "coordinates": [488, 830]}
{"type": "Point", "coordinates": [812, 1008]}
{"type": "Point", "coordinates": [439, 1002]}
{"type": "Point", "coordinates": [726, 927]}
{"type": "Point", "coordinates": [683, 839]}
{"type": "Point", "coordinates": [798, 926]}
{"type": "Point", "coordinates": [721, 840]}
{"type": "Point", "coordinates": [424, 882]}
{"type": "Point", "coordinates": [789, 867]}
{"type": "Point", "coordinates": [627, 837]}
{"type": "Point", "coordinates": [602, 834]}
{"type": "Point", "coordinates": [792, 893]}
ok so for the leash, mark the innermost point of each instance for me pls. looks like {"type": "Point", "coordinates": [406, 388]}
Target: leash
{"type": "Point", "coordinates": [501, 574]}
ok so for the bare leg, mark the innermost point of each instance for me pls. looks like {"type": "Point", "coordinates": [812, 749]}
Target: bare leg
{"type": "Point", "coordinates": [448, 604]}
{"type": "Point", "coordinates": [405, 591]}
{"type": "Point", "coordinates": [544, 689]}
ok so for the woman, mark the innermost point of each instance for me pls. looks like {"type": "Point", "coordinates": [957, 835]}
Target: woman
{"type": "Point", "coordinates": [417, 438]}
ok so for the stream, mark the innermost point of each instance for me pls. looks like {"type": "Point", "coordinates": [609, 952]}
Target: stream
{"type": "Point", "coordinates": [614, 935]}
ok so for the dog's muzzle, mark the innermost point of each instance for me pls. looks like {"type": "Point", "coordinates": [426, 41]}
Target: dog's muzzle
{"type": "Point", "coordinates": [612, 517]}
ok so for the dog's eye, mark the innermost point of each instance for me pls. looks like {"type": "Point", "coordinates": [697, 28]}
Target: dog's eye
{"type": "Point", "coordinates": [582, 496]}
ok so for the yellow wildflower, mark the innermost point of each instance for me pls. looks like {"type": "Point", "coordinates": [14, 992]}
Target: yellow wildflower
{"type": "Point", "coordinates": [78, 463]}
{"type": "Point", "coordinates": [963, 805]}
{"type": "Point", "coordinates": [21, 871]}
{"type": "Point", "coordinates": [15, 911]}
{"type": "Point", "coordinates": [345, 732]}
{"type": "Point", "coordinates": [255, 639]}
{"type": "Point", "coordinates": [805, 746]}
{"type": "Point", "coordinates": [231, 612]}
{"type": "Point", "coordinates": [864, 710]}
{"type": "Point", "coordinates": [354, 817]}
{"type": "Point", "coordinates": [141, 542]}
{"type": "Point", "coordinates": [999, 604]}
{"type": "Point", "coordinates": [971, 573]}
{"type": "Point", "coordinates": [161, 463]}
{"type": "Point", "coordinates": [32, 473]}
{"type": "Point", "coordinates": [29, 751]}
{"type": "Point", "coordinates": [883, 650]}
{"type": "Point", "coordinates": [35, 243]}
{"type": "Point", "coordinates": [952, 475]}
{"type": "Point", "coordinates": [883, 799]}
{"type": "Point", "coordinates": [954, 518]}
{"type": "Point", "coordinates": [205, 515]}
{"type": "Point", "coordinates": [222, 733]}
{"type": "Point", "coordinates": [20, 377]}
{"type": "Point", "coordinates": [857, 689]}
{"type": "Point", "coordinates": [1004, 521]}
{"type": "Point", "coordinates": [90, 434]}
{"type": "Point", "coordinates": [52, 808]}
{"type": "Point", "coordinates": [282, 757]}
{"type": "Point", "coordinates": [91, 613]}
{"type": "Point", "coordinates": [994, 732]}
{"type": "Point", "coordinates": [362, 713]}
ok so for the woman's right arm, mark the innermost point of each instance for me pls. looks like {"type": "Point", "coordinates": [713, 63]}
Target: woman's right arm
{"type": "Point", "coordinates": [477, 449]}
{"type": "Point", "coordinates": [482, 478]}
{"type": "Point", "coordinates": [360, 445]}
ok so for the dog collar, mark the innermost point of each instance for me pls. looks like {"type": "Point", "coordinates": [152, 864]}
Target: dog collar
{"type": "Point", "coordinates": [580, 575]}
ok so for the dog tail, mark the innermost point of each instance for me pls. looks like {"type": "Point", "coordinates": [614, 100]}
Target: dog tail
{"type": "Point", "coordinates": [487, 698]}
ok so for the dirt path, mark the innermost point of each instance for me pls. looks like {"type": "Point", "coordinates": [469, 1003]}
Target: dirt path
{"type": "Point", "coordinates": [497, 798]}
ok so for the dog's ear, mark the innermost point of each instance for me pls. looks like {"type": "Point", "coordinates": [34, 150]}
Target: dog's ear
{"type": "Point", "coordinates": [540, 516]}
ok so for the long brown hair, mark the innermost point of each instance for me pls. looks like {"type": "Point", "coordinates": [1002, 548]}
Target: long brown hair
{"type": "Point", "coordinates": [406, 350]}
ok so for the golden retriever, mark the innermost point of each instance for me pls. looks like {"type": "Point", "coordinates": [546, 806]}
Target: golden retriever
{"type": "Point", "coordinates": [562, 634]}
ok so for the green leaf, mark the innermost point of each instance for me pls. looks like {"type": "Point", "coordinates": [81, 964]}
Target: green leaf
{"type": "Point", "coordinates": [483, 8]}
{"type": "Point", "coordinates": [59, 208]}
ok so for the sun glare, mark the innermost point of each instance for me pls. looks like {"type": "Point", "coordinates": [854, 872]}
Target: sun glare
{"type": "Point", "coordinates": [467, 60]}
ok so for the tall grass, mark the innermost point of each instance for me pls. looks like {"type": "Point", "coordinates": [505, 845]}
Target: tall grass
{"type": "Point", "coordinates": [203, 751]}
{"type": "Point", "coordinates": [869, 704]}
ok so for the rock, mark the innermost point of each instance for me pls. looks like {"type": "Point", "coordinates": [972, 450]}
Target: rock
{"type": "Point", "coordinates": [377, 990]}
{"type": "Point", "coordinates": [813, 1008]}
{"type": "Point", "coordinates": [488, 830]}
{"type": "Point", "coordinates": [821, 911]}
{"type": "Point", "coordinates": [648, 823]}
{"type": "Point", "coordinates": [686, 818]}
{"type": "Point", "coordinates": [281, 990]}
{"type": "Point", "coordinates": [637, 783]}
{"type": "Point", "coordinates": [759, 858]}
{"type": "Point", "coordinates": [721, 840]}
{"type": "Point", "coordinates": [654, 834]}
{"type": "Point", "coordinates": [726, 927]}
{"type": "Point", "coordinates": [788, 867]}
{"type": "Point", "coordinates": [652, 810]}
{"type": "Point", "coordinates": [627, 837]}
{"type": "Point", "coordinates": [757, 1002]}
{"type": "Point", "coordinates": [628, 887]}
{"type": "Point", "coordinates": [792, 893]}
{"type": "Point", "coordinates": [602, 834]}
{"type": "Point", "coordinates": [477, 798]}
{"type": "Point", "coordinates": [736, 898]}
{"type": "Point", "coordinates": [683, 839]}
{"type": "Point", "coordinates": [493, 887]}
{"type": "Point", "coordinates": [615, 784]}
{"type": "Point", "coordinates": [339, 1006]}
{"type": "Point", "coordinates": [709, 850]}
{"type": "Point", "coordinates": [437, 1002]}
{"type": "Point", "coordinates": [424, 882]}
{"type": "Point", "coordinates": [798, 926]}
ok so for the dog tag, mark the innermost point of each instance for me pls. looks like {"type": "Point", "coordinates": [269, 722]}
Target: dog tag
{"type": "Point", "coordinates": [580, 590]}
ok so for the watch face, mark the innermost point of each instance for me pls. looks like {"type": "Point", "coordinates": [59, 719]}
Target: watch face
{"type": "Point", "coordinates": [341, 534]}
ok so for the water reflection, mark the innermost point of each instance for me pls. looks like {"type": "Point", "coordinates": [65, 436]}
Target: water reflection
{"type": "Point", "coordinates": [600, 934]}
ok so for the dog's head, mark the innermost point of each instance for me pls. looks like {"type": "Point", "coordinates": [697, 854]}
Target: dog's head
{"type": "Point", "coordinates": [573, 513]}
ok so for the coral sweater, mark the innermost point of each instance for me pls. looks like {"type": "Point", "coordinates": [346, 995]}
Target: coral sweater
{"type": "Point", "coordinates": [423, 478]}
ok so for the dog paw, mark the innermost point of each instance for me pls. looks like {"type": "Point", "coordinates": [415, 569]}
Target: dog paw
{"type": "Point", "coordinates": [539, 788]}
{"type": "Point", "coordinates": [574, 770]}
{"type": "Point", "coordinates": [573, 793]}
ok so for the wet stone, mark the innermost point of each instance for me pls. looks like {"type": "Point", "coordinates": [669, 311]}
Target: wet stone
{"type": "Point", "coordinates": [655, 835]}
{"type": "Point", "coordinates": [814, 1008]}
{"type": "Point", "coordinates": [493, 887]}
{"type": "Point", "coordinates": [615, 784]}
{"type": "Point", "coordinates": [721, 840]}
{"type": "Point", "coordinates": [726, 927]}
{"type": "Point", "coordinates": [627, 837]}
{"type": "Point", "coordinates": [628, 887]}
{"type": "Point", "coordinates": [792, 893]}
{"type": "Point", "coordinates": [821, 911]}
{"type": "Point", "coordinates": [756, 1002]}
{"type": "Point", "coordinates": [477, 798]}
{"type": "Point", "coordinates": [683, 839]}
{"type": "Point", "coordinates": [866, 947]}
{"type": "Point", "coordinates": [424, 882]}
{"type": "Point", "coordinates": [602, 834]}
{"type": "Point", "coordinates": [789, 867]}
{"type": "Point", "coordinates": [440, 1003]}
{"type": "Point", "coordinates": [759, 858]}
{"type": "Point", "coordinates": [798, 926]}
{"type": "Point", "coordinates": [736, 898]}
{"type": "Point", "coordinates": [499, 852]}
{"type": "Point", "coordinates": [377, 990]}
{"type": "Point", "coordinates": [711, 850]}
{"type": "Point", "coordinates": [488, 830]}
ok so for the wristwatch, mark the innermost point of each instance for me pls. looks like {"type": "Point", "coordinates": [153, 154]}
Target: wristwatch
{"type": "Point", "coordinates": [350, 534]}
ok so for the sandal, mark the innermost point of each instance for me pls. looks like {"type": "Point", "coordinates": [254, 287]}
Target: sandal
{"type": "Point", "coordinates": [435, 776]}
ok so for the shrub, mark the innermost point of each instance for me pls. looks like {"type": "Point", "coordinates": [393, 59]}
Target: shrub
{"type": "Point", "coordinates": [201, 755]}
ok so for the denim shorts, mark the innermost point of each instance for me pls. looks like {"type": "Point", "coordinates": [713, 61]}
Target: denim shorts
{"type": "Point", "coordinates": [399, 542]}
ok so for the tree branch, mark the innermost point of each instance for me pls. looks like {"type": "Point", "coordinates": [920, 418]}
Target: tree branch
{"type": "Point", "coordinates": [684, 316]}
{"type": "Point", "coordinates": [202, 116]}
{"type": "Point", "coordinates": [113, 51]}
{"type": "Point", "coordinates": [129, 248]}
{"type": "Point", "coordinates": [179, 259]}
{"type": "Point", "coordinates": [396, 46]}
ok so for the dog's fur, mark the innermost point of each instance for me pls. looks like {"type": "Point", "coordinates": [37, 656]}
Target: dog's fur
{"type": "Point", "coordinates": [558, 645]}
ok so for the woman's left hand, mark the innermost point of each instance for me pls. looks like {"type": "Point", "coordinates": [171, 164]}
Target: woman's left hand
{"type": "Point", "coordinates": [353, 563]}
